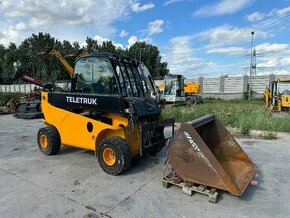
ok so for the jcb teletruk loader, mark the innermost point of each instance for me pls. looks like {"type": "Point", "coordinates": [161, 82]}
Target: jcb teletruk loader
{"type": "Point", "coordinates": [109, 112]}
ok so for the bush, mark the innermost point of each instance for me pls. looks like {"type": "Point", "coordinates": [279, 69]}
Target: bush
{"type": "Point", "coordinates": [246, 115]}
{"type": "Point", "coordinates": [16, 95]}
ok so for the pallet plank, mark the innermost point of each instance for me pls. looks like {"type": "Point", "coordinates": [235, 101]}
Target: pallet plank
{"type": "Point", "coordinates": [189, 188]}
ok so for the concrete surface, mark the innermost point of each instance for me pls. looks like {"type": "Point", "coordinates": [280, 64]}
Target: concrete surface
{"type": "Point", "coordinates": [71, 184]}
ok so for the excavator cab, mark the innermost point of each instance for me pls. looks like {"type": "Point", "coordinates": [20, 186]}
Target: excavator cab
{"type": "Point", "coordinates": [173, 89]}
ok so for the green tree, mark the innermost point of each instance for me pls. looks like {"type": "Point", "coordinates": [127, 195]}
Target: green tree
{"type": "Point", "coordinates": [47, 68]}
{"type": "Point", "coordinates": [2, 58]}
{"type": "Point", "coordinates": [91, 45]}
{"type": "Point", "coordinates": [150, 56]}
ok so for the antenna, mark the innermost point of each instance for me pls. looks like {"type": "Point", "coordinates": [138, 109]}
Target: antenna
{"type": "Point", "coordinates": [253, 57]}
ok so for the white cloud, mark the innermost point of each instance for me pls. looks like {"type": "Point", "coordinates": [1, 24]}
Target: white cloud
{"type": "Point", "coordinates": [270, 48]}
{"type": "Point", "coordinates": [283, 11]}
{"type": "Point", "coordinates": [222, 7]}
{"type": "Point", "coordinates": [123, 33]}
{"type": "Point", "coordinates": [285, 61]}
{"type": "Point", "coordinates": [101, 39]}
{"type": "Point", "coordinates": [276, 72]}
{"type": "Point", "coordinates": [228, 35]}
{"type": "Point", "coordinates": [228, 50]}
{"type": "Point", "coordinates": [62, 18]}
{"type": "Point", "coordinates": [271, 62]}
{"type": "Point", "coordinates": [169, 2]}
{"type": "Point", "coordinates": [137, 7]}
{"type": "Point", "coordinates": [256, 16]}
{"type": "Point", "coordinates": [155, 27]}
{"type": "Point", "coordinates": [132, 40]}
{"type": "Point", "coordinates": [181, 58]}
{"type": "Point", "coordinates": [9, 35]}
{"type": "Point", "coordinates": [273, 55]}
{"type": "Point", "coordinates": [273, 22]}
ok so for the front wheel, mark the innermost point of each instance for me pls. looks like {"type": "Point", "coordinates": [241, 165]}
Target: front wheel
{"type": "Point", "coordinates": [114, 155]}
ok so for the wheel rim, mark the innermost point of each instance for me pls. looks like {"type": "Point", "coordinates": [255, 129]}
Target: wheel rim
{"type": "Point", "coordinates": [43, 141]}
{"type": "Point", "coordinates": [109, 156]}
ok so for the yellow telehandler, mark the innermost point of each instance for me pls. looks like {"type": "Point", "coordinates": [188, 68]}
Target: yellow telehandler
{"type": "Point", "coordinates": [108, 111]}
{"type": "Point", "coordinates": [277, 95]}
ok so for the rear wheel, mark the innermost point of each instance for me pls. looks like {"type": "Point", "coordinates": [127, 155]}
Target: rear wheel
{"type": "Point", "coordinates": [48, 140]}
{"type": "Point", "coordinates": [114, 155]}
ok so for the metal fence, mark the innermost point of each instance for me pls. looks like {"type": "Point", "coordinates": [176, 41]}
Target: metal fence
{"type": "Point", "coordinates": [23, 88]}
{"type": "Point", "coordinates": [26, 88]}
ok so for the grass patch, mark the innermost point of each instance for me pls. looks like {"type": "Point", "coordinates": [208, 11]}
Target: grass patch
{"type": "Point", "coordinates": [16, 95]}
{"type": "Point", "coordinates": [242, 114]}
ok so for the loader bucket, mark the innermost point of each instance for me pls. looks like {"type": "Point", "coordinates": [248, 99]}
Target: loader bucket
{"type": "Point", "coordinates": [204, 152]}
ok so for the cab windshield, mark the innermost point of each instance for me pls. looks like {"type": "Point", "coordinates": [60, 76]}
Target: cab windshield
{"type": "Point", "coordinates": [283, 88]}
{"type": "Point", "coordinates": [95, 75]}
{"type": "Point", "coordinates": [170, 86]}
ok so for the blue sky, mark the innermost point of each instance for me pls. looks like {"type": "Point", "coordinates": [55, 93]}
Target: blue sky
{"type": "Point", "coordinates": [195, 37]}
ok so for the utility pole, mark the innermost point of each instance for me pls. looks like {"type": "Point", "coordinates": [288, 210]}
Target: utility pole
{"type": "Point", "coordinates": [251, 66]}
{"type": "Point", "coordinates": [252, 53]}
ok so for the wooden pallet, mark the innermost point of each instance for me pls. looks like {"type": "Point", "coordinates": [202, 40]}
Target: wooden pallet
{"type": "Point", "coordinates": [189, 188]}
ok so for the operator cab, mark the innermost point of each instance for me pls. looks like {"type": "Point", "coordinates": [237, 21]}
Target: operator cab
{"type": "Point", "coordinates": [118, 82]}
{"type": "Point", "coordinates": [173, 89]}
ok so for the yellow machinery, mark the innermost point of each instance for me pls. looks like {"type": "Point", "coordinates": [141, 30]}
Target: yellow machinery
{"type": "Point", "coordinates": [277, 95]}
{"type": "Point", "coordinates": [177, 93]}
{"type": "Point", "coordinates": [191, 88]}
{"type": "Point", "coordinates": [109, 112]}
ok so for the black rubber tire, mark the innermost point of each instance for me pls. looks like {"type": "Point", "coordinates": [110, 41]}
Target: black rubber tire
{"type": "Point", "coordinates": [122, 154]}
{"type": "Point", "coordinates": [189, 101]}
{"type": "Point", "coordinates": [53, 140]}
